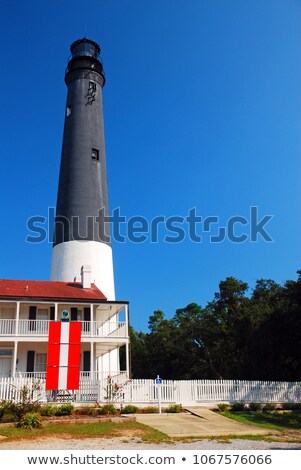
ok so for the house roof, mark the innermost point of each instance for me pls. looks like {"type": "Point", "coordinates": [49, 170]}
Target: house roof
{"type": "Point", "coordinates": [48, 290]}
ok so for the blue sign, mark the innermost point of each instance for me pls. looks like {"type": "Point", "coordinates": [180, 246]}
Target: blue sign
{"type": "Point", "coordinates": [158, 381]}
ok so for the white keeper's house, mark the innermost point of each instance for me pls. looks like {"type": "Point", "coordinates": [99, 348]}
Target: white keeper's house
{"type": "Point", "coordinates": [27, 307]}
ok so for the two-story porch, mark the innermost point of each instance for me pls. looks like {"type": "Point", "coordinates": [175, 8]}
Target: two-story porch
{"type": "Point", "coordinates": [24, 324]}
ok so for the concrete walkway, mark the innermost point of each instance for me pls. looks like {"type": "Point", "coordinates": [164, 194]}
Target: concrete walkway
{"type": "Point", "coordinates": [198, 421]}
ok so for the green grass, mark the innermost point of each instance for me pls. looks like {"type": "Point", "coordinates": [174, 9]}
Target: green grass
{"type": "Point", "coordinates": [88, 430]}
{"type": "Point", "coordinates": [283, 422]}
{"type": "Point", "coordinates": [274, 421]}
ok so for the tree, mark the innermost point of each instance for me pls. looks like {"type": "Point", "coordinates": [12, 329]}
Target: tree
{"type": "Point", "coordinates": [233, 337]}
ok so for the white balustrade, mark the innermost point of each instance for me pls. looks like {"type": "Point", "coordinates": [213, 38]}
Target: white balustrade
{"type": "Point", "coordinates": [96, 329]}
{"type": "Point", "coordinates": [7, 327]}
{"type": "Point", "coordinates": [33, 327]}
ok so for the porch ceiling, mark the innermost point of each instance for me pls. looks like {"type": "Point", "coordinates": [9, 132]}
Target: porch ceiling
{"type": "Point", "coordinates": [106, 348]}
{"type": "Point", "coordinates": [108, 310]}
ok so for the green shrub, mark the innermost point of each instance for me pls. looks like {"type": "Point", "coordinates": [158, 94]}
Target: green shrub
{"type": "Point", "coordinates": [10, 407]}
{"type": "Point", "coordinates": [291, 406]}
{"type": "Point", "coordinates": [9, 418]}
{"type": "Point", "coordinates": [287, 406]}
{"type": "Point", "coordinates": [49, 410]}
{"type": "Point", "coordinates": [130, 409]}
{"type": "Point", "coordinates": [269, 407]}
{"type": "Point", "coordinates": [238, 406]}
{"type": "Point", "coordinates": [150, 409]}
{"type": "Point", "coordinates": [7, 406]}
{"type": "Point", "coordinates": [22, 409]}
{"type": "Point", "coordinates": [255, 406]}
{"type": "Point", "coordinates": [64, 410]}
{"type": "Point", "coordinates": [223, 407]}
{"type": "Point", "coordinates": [89, 410]}
{"type": "Point", "coordinates": [174, 409]}
{"type": "Point", "coordinates": [30, 421]}
{"type": "Point", "coordinates": [108, 409]}
{"type": "Point", "coordinates": [19, 409]}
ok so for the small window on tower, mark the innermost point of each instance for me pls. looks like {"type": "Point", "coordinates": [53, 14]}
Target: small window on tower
{"type": "Point", "coordinates": [95, 154]}
{"type": "Point", "coordinates": [68, 111]}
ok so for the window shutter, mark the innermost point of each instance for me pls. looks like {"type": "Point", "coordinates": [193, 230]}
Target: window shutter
{"type": "Point", "coordinates": [73, 313]}
{"type": "Point", "coordinates": [52, 313]}
{"type": "Point", "coordinates": [87, 319]}
{"type": "Point", "coordinates": [30, 361]}
{"type": "Point", "coordinates": [32, 313]}
{"type": "Point", "coordinates": [32, 316]}
{"type": "Point", "coordinates": [87, 361]}
{"type": "Point", "coordinates": [87, 314]}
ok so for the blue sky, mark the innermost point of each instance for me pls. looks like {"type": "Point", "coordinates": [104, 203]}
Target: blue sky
{"type": "Point", "coordinates": [202, 109]}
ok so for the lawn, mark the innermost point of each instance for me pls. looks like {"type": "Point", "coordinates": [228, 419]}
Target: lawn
{"type": "Point", "coordinates": [88, 430]}
{"type": "Point", "coordinates": [272, 420]}
{"type": "Point", "coordinates": [289, 425]}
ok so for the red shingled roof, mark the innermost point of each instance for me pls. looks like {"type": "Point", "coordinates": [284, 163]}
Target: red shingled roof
{"type": "Point", "coordinates": [48, 290]}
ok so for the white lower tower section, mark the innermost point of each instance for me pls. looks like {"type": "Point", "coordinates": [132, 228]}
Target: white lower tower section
{"type": "Point", "coordinates": [69, 257]}
{"type": "Point", "coordinates": [67, 260]}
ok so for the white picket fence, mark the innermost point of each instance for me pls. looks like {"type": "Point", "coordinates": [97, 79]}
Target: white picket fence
{"type": "Point", "coordinates": [145, 391]}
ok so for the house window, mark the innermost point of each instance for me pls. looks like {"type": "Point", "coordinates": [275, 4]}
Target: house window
{"type": "Point", "coordinates": [42, 314]}
{"type": "Point", "coordinates": [40, 365]}
{"type": "Point", "coordinates": [95, 154]}
{"type": "Point", "coordinates": [7, 313]}
{"type": "Point", "coordinates": [6, 352]}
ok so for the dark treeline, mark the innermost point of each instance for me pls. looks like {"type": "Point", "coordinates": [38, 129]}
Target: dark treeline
{"type": "Point", "coordinates": [233, 337]}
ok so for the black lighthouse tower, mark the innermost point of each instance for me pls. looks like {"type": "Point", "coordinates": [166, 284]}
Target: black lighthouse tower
{"type": "Point", "coordinates": [81, 237]}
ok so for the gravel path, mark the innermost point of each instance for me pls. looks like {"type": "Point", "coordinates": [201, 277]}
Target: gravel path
{"type": "Point", "coordinates": [134, 443]}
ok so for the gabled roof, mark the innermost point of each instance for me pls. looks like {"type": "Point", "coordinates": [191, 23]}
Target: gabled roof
{"type": "Point", "coordinates": [48, 290]}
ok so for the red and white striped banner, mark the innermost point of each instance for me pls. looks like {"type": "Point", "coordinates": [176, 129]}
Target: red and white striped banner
{"type": "Point", "coordinates": [63, 357]}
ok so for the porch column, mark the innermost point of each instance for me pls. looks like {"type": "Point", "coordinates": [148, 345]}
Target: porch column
{"type": "Point", "coordinates": [56, 308]}
{"type": "Point", "coordinates": [15, 355]}
{"type": "Point", "coordinates": [126, 310]}
{"type": "Point", "coordinates": [92, 330]}
{"type": "Point", "coordinates": [100, 359]}
{"type": "Point", "coordinates": [92, 359]}
{"type": "Point", "coordinates": [127, 345]}
{"type": "Point", "coordinates": [17, 318]}
{"type": "Point", "coordinates": [127, 359]}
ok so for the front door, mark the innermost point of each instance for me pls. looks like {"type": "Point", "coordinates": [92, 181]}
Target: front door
{"type": "Point", "coordinates": [5, 367]}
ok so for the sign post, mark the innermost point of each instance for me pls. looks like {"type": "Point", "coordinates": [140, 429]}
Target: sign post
{"type": "Point", "coordinates": [159, 384]}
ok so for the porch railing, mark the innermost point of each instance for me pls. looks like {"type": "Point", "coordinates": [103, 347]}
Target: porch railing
{"type": "Point", "coordinates": [95, 375]}
{"type": "Point", "coordinates": [96, 329]}
{"type": "Point", "coordinates": [103, 329]}
{"type": "Point", "coordinates": [7, 327]}
{"type": "Point", "coordinates": [33, 327]}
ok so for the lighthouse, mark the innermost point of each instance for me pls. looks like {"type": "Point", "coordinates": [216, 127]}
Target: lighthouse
{"type": "Point", "coordinates": [82, 235]}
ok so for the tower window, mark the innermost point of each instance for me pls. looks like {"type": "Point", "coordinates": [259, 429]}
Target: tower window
{"type": "Point", "coordinates": [92, 87]}
{"type": "Point", "coordinates": [68, 111]}
{"type": "Point", "coordinates": [95, 154]}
